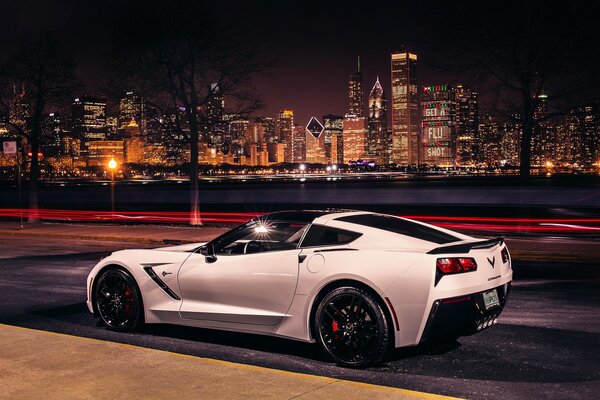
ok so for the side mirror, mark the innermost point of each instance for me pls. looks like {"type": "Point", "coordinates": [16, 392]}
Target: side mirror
{"type": "Point", "coordinates": [208, 251]}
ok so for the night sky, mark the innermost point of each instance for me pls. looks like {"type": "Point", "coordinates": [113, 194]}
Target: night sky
{"type": "Point", "coordinates": [317, 43]}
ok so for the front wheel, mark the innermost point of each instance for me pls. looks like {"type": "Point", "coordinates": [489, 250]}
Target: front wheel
{"type": "Point", "coordinates": [118, 300]}
{"type": "Point", "coordinates": [351, 327]}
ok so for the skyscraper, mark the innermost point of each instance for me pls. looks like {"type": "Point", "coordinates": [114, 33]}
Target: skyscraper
{"type": "Point", "coordinates": [355, 138]}
{"type": "Point", "coordinates": [215, 105]}
{"type": "Point", "coordinates": [131, 106]}
{"type": "Point", "coordinates": [214, 126]}
{"type": "Point", "coordinates": [405, 109]}
{"type": "Point", "coordinates": [468, 142]}
{"type": "Point", "coordinates": [236, 133]}
{"type": "Point", "coordinates": [53, 131]}
{"type": "Point", "coordinates": [438, 141]}
{"type": "Point", "coordinates": [491, 149]}
{"type": "Point", "coordinates": [268, 124]}
{"type": "Point", "coordinates": [334, 143]}
{"type": "Point", "coordinates": [587, 152]}
{"type": "Point", "coordinates": [510, 142]}
{"type": "Point", "coordinates": [315, 142]}
{"type": "Point", "coordinates": [355, 93]}
{"type": "Point", "coordinates": [377, 134]}
{"type": "Point", "coordinates": [298, 144]}
{"type": "Point", "coordinates": [89, 119]}
{"type": "Point", "coordinates": [284, 125]}
{"type": "Point", "coordinates": [544, 142]}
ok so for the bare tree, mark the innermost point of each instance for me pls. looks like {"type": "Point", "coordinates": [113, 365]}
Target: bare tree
{"type": "Point", "coordinates": [172, 53]}
{"type": "Point", "coordinates": [520, 53]}
{"type": "Point", "coordinates": [45, 70]}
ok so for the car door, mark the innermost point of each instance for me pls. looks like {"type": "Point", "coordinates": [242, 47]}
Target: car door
{"type": "Point", "coordinates": [255, 288]}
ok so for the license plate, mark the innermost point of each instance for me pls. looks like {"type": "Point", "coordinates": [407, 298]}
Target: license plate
{"type": "Point", "coordinates": [490, 299]}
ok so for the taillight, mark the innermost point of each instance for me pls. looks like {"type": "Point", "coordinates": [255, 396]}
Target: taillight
{"type": "Point", "coordinates": [505, 256]}
{"type": "Point", "coordinates": [456, 265]}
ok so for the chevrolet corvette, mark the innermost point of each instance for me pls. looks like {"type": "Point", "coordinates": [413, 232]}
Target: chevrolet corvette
{"type": "Point", "coordinates": [356, 282]}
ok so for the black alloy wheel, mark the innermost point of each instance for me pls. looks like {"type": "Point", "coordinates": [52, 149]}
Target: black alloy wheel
{"type": "Point", "coordinates": [118, 300]}
{"type": "Point", "coordinates": [351, 327]}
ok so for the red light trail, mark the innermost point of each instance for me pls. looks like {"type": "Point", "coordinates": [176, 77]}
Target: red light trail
{"type": "Point", "coordinates": [492, 224]}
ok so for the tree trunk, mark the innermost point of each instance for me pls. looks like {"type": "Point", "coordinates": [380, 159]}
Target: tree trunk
{"type": "Point", "coordinates": [194, 197]}
{"type": "Point", "coordinates": [525, 167]}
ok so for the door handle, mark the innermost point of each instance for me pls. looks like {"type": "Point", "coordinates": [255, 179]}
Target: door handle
{"type": "Point", "coordinates": [301, 258]}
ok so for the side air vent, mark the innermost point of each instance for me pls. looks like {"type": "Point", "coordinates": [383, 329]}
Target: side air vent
{"type": "Point", "coordinates": [160, 283]}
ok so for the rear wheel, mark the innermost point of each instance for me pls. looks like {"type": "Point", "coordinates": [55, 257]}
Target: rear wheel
{"type": "Point", "coordinates": [118, 300]}
{"type": "Point", "coordinates": [351, 327]}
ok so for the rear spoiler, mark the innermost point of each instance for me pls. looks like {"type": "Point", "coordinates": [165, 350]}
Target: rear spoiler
{"type": "Point", "coordinates": [466, 247]}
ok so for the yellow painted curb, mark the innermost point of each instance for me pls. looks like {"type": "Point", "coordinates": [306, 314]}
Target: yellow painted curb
{"type": "Point", "coordinates": [325, 380]}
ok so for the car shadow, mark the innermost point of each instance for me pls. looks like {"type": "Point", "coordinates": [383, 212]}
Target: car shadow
{"type": "Point", "coordinates": [512, 353]}
{"type": "Point", "coordinates": [428, 348]}
{"type": "Point", "coordinates": [78, 314]}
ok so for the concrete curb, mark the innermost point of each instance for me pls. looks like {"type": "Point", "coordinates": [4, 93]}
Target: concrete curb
{"type": "Point", "coordinates": [87, 368]}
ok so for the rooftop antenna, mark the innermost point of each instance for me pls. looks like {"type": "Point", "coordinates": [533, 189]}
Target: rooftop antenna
{"type": "Point", "coordinates": [358, 70]}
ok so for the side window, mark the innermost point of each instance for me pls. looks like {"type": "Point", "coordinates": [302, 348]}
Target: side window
{"type": "Point", "coordinates": [260, 236]}
{"type": "Point", "coordinates": [320, 235]}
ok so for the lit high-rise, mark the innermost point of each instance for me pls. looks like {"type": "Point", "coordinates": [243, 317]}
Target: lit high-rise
{"type": "Point", "coordinates": [284, 126]}
{"type": "Point", "coordinates": [405, 109]}
{"type": "Point", "coordinates": [438, 142]}
{"type": "Point", "coordinates": [355, 92]}
{"type": "Point", "coordinates": [214, 126]}
{"type": "Point", "coordinates": [315, 142]}
{"type": "Point", "coordinates": [377, 134]}
{"type": "Point", "coordinates": [468, 143]}
{"type": "Point", "coordinates": [355, 138]}
{"type": "Point", "coordinates": [131, 107]}
{"type": "Point", "coordinates": [334, 143]}
{"type": "Point", "coordinates": [298, 144]}
{"type": "Point", "coordinates": [89, 119]}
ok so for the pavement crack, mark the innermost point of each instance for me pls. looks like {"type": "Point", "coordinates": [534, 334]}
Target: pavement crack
{"type": "Point", "coordinates": [315, 389]}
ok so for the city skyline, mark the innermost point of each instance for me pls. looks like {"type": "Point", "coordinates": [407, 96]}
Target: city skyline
{"type": "Point", "coordinates": [294, 82]}
{"type": "Point", "coordinates": [451, 134]}
{"type": "Point", "coordinates": [205, 110]}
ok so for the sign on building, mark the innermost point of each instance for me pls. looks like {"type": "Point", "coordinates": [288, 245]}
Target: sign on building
{"type": "Point", "coordinates": [9, 148]}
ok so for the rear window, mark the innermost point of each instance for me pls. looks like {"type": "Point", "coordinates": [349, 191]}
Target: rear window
{"type": "Point", "coordinates": [401, 227]}
{"type": "Point", "coordinates": [319, 235]}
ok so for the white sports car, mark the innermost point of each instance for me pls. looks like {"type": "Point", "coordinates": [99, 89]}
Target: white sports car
{"type": "Point", "coordinates": [356, 282]}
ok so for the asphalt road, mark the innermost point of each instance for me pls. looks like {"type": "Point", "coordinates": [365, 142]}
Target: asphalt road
{"type": "Point", "coordinates": [546, 344]}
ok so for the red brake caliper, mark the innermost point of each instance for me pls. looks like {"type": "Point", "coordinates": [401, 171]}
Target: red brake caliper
{"type": "Point", "coordinates": [128, 301]}
{"type": "Point", "coordinates": [334, 326]}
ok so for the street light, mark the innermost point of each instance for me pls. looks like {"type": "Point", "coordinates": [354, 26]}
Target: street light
{"type": "Point", "coordinates": [549, 166]}
{"type": "Point", "coordinates": [112, 165]}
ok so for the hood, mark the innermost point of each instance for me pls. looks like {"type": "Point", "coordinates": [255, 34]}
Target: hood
{"type": "Point", "coordinates": [181, 247]}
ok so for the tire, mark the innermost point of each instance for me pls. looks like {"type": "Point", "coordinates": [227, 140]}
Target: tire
{"type": "Point", "coordinates": [351, 327]}
{"type": "Point", "coordinates": [118, 301]}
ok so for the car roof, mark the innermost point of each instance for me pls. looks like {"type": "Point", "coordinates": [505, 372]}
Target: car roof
{"type": "Point", "coordinates": [308, 215]}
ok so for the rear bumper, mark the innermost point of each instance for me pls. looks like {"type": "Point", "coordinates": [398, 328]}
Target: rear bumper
{"type": "Point", "coordinates": [463, 315]}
